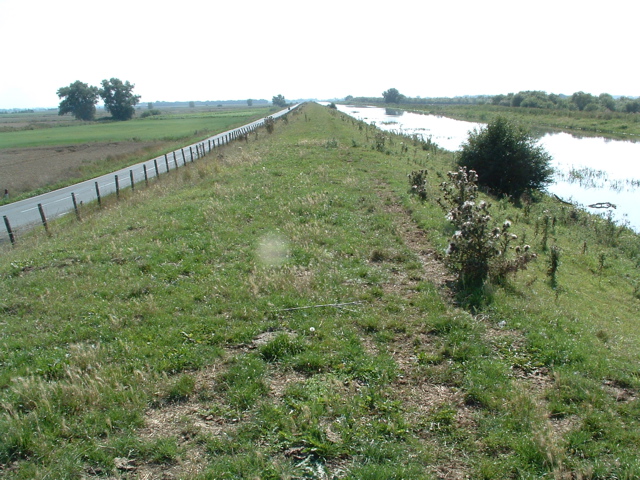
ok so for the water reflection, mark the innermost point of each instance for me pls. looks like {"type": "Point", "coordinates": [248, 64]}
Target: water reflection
{"type": "Point", "coordinates": [589, 170]}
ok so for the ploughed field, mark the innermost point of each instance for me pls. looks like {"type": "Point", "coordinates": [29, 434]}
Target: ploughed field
{"type": "Point", "coordinates": [26, 169]}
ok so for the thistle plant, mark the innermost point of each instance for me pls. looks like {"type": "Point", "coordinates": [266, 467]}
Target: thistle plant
{"type": "Point", "coordinates": [418, 183]}
{"type": "Point", "coordinates": [478, 249]}
{"type": "Point", "coordinates": [270, 124]}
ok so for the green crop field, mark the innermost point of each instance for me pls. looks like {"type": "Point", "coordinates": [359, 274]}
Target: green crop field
{"type": "Point", "coordinates": [162, 127]}
{"type": "Point", "coordinates": [281, 310]}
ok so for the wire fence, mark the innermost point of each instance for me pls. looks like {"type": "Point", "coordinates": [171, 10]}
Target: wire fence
{"type": "Point", "coordinates": [26, 214]}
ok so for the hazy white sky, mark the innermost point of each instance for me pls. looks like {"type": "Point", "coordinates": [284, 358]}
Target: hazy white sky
{"type": "Point", "coordinates": [214, 50]}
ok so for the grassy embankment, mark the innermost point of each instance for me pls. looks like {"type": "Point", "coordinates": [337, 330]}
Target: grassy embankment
{"type": "Point", "coordinates": [277, 312]}
{"type": "Point", "coordinates": [608, 124]}
{"type": "Point", "coordinates": [156, 135]}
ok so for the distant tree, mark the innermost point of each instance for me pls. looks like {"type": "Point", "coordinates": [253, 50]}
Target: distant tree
{"type": "Point", "coordinates": [517, 99]}
{"type": "Point", "coordinates": [119, 99]}
{"type": "Point", "coordinates": [192, 104]}
{"type": "Point", "coordinates": [607, 101]}
{"type": "Point", "coordinates": [392, 96]}
{"type": "Point", "coordinates": [79, 99]}
{"type": "Point", "coordinates": [581, 99]}
{"type": "Point", "coordinates": [348, 98]}
{"type": "Point", "coordinates": [250, 102]}
{"type": "Point", "coordinates": [150, 106]}
{"type": "Point", "coordinates": [632, 107]}
{"type": "Point", "coordinates": [506, 158]}
{"type": "Point", "coordinates": [498, 99]}
{"type": "Point", "coordinates": [279, 101]}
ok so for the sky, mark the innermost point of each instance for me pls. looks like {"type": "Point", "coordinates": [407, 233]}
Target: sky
{"type": "Point", "coordinates": [198, 50]}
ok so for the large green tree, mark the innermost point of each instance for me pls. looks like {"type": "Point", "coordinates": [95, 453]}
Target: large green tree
{"type": "Point", "coordinates": [279, 101]}
{"type": "Point", "coordinates": [119, 99]}
{"type": "Point", "coordinates": [507, 158]}
{"type": "Point", "coordinates": [78, 99]}
{"type": "Point", "coordinates": [392, 96]}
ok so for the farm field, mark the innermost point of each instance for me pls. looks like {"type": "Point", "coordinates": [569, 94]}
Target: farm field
{"type": "Point", "coordinates": [44, 151]}
{"type": "Point", "coordinates": [281, 310]}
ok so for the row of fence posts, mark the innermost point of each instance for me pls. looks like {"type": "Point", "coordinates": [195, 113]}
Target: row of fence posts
{"type": "Point", "coordinates": [201, 151]}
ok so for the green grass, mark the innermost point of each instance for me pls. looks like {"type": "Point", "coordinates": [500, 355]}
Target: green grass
{"type": "Point", "coordinates": [165, 333]}
{"type": "Point", "coordinates": [166, 127]}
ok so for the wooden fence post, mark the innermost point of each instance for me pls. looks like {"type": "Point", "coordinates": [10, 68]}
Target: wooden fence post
{"type": "Point", "coordinates": [132, 182]}
{"type": "Point", "coordinates": [43, 217]}
{"type": "Point", "coordinates": [9, 231]}
{"type": "Point", "coordinates": [98, 195]}
{"type": "Point", "coordinates": [75, 206]}
{"type": "Point", "coordinates": [190, 154]}
{"type": "Point", "coordinates": [117, 188]}
{"type": "Point", "coordinates": [155, 164]}
{"type": "Point", "coordinates": [166, 160]}
{"type": "Point", "coordinates": [174, 159]}
{"type": "Point", "coordinates": [146, 176]}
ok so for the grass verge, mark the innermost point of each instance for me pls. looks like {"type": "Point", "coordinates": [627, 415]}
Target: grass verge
{"type": "Point", "coordinates": [278, 311]}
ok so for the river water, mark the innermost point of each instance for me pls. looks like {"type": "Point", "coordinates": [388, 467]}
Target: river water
{"type": "Point", "coordinates": [588, 170]}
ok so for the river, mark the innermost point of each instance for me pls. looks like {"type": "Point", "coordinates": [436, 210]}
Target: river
{"type": "Point", "coordinates": [588, 170]}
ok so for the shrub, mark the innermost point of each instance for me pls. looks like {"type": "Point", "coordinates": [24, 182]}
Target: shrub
{"type": "Point", "coordinates": [270, 124]}
{"type": "Point", "coordinates": [150, 113]}
{"type": "Point", "coordinates": [477, 250]}
{"type": "Point", "coordinates": [507, 159]}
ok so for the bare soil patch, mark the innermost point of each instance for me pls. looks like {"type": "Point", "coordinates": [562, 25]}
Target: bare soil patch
{"type": "Point", "coordinates": [25, 169]}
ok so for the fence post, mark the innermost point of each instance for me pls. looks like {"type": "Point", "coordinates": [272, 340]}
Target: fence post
{"type": "Point", "coordinates": [146, 176]}
{"type": "Point", "coordinates": [131, 177]}
{"type": "Point", "coordinates": [75, 206]}
{"type": "Point", "coordinates": [166, 161]}
{"type": "Point", "coordinates": [155, 164]}
{"type": "Point", "coordinates": [9, 231]}
{"type": "Point", "coordinates": [43, 217]}
{"type": "Point", "coordinates": [174, 159]}
{"type": "Point", "coordinates": [190, 154]}
{"type": "Point", "coordinates": [98, 194]}
{"type": "Point", "coordinates": [117, 188]}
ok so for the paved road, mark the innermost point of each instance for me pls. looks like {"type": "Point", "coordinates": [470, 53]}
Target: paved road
{"type": "Point", "coordinates": [25, 214]}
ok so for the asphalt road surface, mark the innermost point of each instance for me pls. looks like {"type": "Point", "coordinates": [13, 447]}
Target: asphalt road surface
{"type": "Point", "coordinates": [26, 214]}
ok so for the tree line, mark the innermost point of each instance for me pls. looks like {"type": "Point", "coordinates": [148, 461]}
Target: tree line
{"type": "Point", "coordinates": [578, 101]}
{"type": "Point", "coordinates": [80, 99]}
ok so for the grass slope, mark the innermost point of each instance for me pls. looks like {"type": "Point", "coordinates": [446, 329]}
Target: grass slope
{"type": "Point", "coordinates": [278, 311]}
